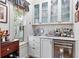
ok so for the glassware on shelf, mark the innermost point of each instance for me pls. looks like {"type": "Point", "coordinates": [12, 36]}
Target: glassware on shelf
{"type": "Point", "coordinates": [65, 10]}
{"type": "Point", "coordinates": [45, 12]}
{"type": "Point", "coordinates": [54, 10]}
{"type": "Point", "coordinates": [36, 13]}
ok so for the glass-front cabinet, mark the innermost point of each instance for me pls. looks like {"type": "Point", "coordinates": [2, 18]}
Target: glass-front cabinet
{"type": "Point", "coordinates": [53, 11]}
{"type": "Point", "coordinates": [44, 12]}
{"type": "Point", "coordinates": [65, 10]}
{"type": "Point", "coordinates": [36, 13]}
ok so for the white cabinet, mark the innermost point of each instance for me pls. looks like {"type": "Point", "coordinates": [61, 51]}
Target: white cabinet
{"type": "Point", "coordinates": [23, 51]}
{"type": "Point", "coordinates": [41, 47]}
{"type": "Point", "coordinates": [36, 13]}
{"type": "Point", "coordinates": [52, 11]}
{"type": "Point", "coordinates": [61, 11]}
{"type": "Point", "coordinates": [76, 30]}
{"type": "Point", "coordinates": [46, 48]}
{"type": "Point", "coordinates": [44, 12]}
{"type": "Point", "coordinates": [66, 10]}
{"type": "Point", "coordinates": [34, 46]}
{"type": "Point", "coordinates": [41, 12]}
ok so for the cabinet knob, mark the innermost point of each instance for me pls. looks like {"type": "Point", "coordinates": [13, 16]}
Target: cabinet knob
{"type": "Point", "coordinates": [33, 48]}
{"type": "Point", "coordinates": [8, 49]}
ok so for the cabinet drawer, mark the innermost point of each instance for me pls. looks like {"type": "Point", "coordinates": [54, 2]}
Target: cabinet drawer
{"type": "Point", "coordinates": [31, 52]}
{"type": "Point", "coordinates": [34, 45]}
{"type": "Point", "coordinates": [34, 52]}
{"type": "Point", "coordinates": [34, 38]}
{"type": "Point", "coordinates": [37, 53]}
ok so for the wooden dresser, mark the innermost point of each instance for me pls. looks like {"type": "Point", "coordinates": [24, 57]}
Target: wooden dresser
{"type": "Point", "coordinates": [9, 48]}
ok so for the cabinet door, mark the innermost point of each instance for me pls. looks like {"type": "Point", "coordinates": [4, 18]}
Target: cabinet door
{"type": "Point", "coordinates": [23, 51]}
{"type": "Point", "coordinates": [46, 48]}
{"type": "Point", "coordinates": [44, 12]}
{"type": "Point", "coordinates": [65, 10]}
{"type": "Point", "coordinates": [54, 10]}
{"type": "Point", "coordinates": [36, 13]}
{"type": "Point", "coordinates": [34, 46]}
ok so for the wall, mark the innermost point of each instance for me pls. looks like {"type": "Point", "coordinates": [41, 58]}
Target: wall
{"type": "Point", "coordinates": [28, 19]}
{"type": "Point", "coordinates": [27, 23]}
{"type": "Point", "coordinates": [27, 30]}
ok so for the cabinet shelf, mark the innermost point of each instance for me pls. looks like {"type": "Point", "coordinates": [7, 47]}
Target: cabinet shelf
{"type": "Point", "coordinates": [56, 23]}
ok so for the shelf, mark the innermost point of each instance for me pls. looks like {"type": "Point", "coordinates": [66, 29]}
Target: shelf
{"type": "Point", "coordinates": [56, 23]}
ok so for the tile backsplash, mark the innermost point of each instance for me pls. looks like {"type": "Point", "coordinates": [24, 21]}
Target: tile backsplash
{"type": "Point", "coordinates": [52, 28]}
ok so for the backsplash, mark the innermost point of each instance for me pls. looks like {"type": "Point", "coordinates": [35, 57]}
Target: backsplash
{"type": "Point", "coordinates": [51, 29]}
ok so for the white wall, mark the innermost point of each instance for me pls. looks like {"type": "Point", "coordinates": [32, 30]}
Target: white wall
{"type": "Point", "coordinates": [29, 18]}
{"type": "Point", "coordinates": [27, 30]}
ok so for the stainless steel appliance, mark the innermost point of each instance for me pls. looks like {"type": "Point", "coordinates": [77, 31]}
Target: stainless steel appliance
{"type": "Point", "coordinates": [64, 48]}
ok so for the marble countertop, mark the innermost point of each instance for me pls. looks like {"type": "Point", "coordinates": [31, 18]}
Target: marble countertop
{"type": "Point", "coordinates": [62, 38]}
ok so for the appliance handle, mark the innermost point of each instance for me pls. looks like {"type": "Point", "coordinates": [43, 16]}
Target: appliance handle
{"type": "Point", "coordinates": [63, 46]}
{"type": "Point", "coordinates": [63, 43]}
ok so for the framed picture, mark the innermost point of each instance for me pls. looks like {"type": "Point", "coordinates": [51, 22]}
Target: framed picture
{"type": "Point", "coordinates": [3, 13]}
{"type": "Point", "coordinates": [3, 1]}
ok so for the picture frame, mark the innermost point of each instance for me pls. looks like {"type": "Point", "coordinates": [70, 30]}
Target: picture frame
{"type": "Point", "coordinates": [3, 13]}
{"type": "Point", "coordinates": [3, 1]}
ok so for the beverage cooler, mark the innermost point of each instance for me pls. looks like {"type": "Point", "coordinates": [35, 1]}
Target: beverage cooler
{"type": "Point", "coordinates": [64, 49]}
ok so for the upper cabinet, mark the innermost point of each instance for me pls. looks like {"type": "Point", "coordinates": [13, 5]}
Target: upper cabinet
{"type": "Point", "coordinates": [65, 10]}
{"type": "Point", "coordinates": [44, 12]}
{"type": "Point", "coordinates": [55, 11]}
{"type": "Point", "coordinates": [36, 13]}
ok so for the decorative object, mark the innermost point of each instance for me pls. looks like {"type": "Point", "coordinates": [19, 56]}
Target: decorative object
{"type": "Point", "coordinates": [3, 13]}
{"type": "Point", "coordinates": [3, 1]}
{"type": "Point", "coordinates": [77, 12]}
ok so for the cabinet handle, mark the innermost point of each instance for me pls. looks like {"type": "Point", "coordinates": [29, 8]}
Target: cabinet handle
{"type": "Point", "coordinates": [51, 41]}
{"type": "Point", "coordinates": [8, 49]}
{"type": "Point", "coordinates": [33, 48]}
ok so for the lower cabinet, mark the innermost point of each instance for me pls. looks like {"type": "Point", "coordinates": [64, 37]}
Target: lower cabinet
{"type": "Point", "coordinates": [23, 51]}
{"type": "Point", "coordinates": [46, 48]}
{"type": "Point", "coordinates": [34, 47]}
{"type": "Point", "coordinates": [40, 48]}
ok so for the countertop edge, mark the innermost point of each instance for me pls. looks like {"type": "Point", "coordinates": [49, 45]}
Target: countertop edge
{"type": "Point", "coordinates": [62, 38]}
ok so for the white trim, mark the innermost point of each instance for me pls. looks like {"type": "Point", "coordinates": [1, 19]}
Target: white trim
{"type": "Point", "coordinates": [22, 43]}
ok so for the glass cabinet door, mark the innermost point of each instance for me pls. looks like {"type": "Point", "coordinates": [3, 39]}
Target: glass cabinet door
{"type": "Point", "coordinates": [54, 10]}
{"type": "Point", "coordinates": [65, 10]}
{"type": "Point", "coordinates": [45, 12]}
{"type": "Point", "coordinates": [36, 13]}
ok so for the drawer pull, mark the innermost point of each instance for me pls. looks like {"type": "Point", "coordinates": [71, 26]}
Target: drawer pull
{"type": "Point", "coordinates": [8, 49]}
{"type": "Point", "coordinates": [33, 48]}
